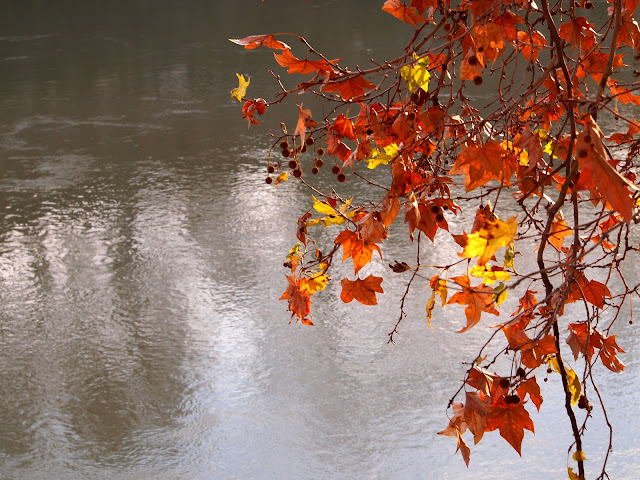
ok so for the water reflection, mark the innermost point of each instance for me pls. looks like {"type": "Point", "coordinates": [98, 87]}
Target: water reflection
{"type": "Point", "coordinates": [140, 254]}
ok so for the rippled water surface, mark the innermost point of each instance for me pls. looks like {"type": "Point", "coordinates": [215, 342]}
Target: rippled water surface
{"type": "Point", "coordinates": [141, 262]}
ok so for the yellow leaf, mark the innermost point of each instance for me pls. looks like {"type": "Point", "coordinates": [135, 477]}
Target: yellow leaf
{"type": "Point", "coordinates": [572, 379]}
{"type": "Point", "coordinates": [378, 158]}
{"type": "Point", "coordinates": [486, 242]}
{"type": "Point", "coordinates": [314, 284]}
{"type": "Point", "coordinates": [333, 216]}
{"type": "Point", "coordinates": [509, 256]}
{"type": "Point", "coordinates": [430, 304]}
{"type": "Point", "coordinates": [573, 475]}
{"type": "Point", "coordinates": [500, 293]}
{"type": "Point", "coordinates": [489, 276]}
{"type": "Point", "coordinates": [438, 286]}
{"type": "Point", "coordinates": [281, 178]}
{"type": "Point", "coordinates": [579, 455]}
{"type": "Point", "coordinates": [241, 91]}
{"type": "Point", "coordinates": [416, 75]}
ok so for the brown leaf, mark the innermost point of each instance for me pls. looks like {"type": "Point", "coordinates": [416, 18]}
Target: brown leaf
{"type": "Point", "coordinates": [296, 65]}
{"type": "Point", "coordinates": [364, 291]}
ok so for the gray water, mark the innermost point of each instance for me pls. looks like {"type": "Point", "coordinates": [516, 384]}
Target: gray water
{"type": "Point", "coordinates": [141, 262]}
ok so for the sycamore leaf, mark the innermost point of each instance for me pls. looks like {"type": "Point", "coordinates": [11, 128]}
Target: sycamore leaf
{"type": "Point", "coordinates": [304, 121]}
{"type": "Point", "coordinates": [364, 291]}
{"type": "Point", "coordinates": [355, 247]}
{"type": "Point", "coordinates": [288, 60]}
{"type": "Point", "coordinates": [511, 420]}
{"type": "Point", "coordinates": [598, 176]}
{"type": "Point", "coordinates": [608, 354]}
{"type": "Point", "coordinates": [486, 242]}
{"type": "Point", "coordinates": [417, 74]}
{"type": "Point", "coordinates": [478, 299]}
{"type": "Point", "coordinates": [572, 379]}
{"type": "Point", "coordinates": [402, 12]}
{"type": "Point", "coordinates": [299, 300]}
{"type": "Point", "coordinates": [281, 178]}
{"type": "Point", "coordinates": [559, 230]}
{"type": "Point", "coordinates": [530, 387]}
{"type": "Point", "coordinates": [256, 41]}
{"type": "Point", "coordinates": [350, 88]}
{"type": "Point", "coordinates": [438, 286]}
{"type": "Point", "coordinates": [476, 407]}
{"type": "Point", "coordinates": [389, 153]}
{"type": "Point", "coordinates": [489, 275]}
{"type": "Point", "coordinates": [578, 33]}
{"type": "Point", "coordinates": [579, 456]}
{"type": "Point", "coordinates": [334, 216]}
{"type": "Point", "coordinates": [239, 92]}
{"type": "Point", "coordinates": [481, 164]}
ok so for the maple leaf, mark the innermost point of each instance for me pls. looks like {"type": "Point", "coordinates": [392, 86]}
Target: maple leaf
{"type": "Point", "coordinates": [511, 420]}
{"type": "Point", "coordinates": [333, 216]}
{"type": "Point", "coordinates": [531, 44]}
{"type": "Point", "coordinates": [256, 41]}
{"type": "Point", "coordinates": [299, 300]}
{"type": "Point", "coordinates": [336, 147]}
{"type": "Point", "coordinates": [402, 12]}
{"type": "Point", "coordinates": [622, 94]}
{"type": "Point", "coordinates": [350, 88]}
{"type": "Point", "coordinates": [481, 164]}
{"type": "Point", "coordinates": [478, 299]}
{"type": "Point", "coordinates": [296, 65]}
{"type": "Point", "coordinates": [572, 378]}
{"type": "Point", "coordinates": [241, 90]}
{"type": "Point", "coordinates": [598, 175]}
{"type": "Point", "coordinates": [490, 275]}
{"type": "Point", "coordinates": [486, 242]}
{"type": "Point", "coordinates": [438, 286]}
{"type": "Point", "coordinates": [364, 291]}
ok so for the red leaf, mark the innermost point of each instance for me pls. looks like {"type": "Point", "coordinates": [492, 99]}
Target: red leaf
{"type": "Point", "coordinates": [402, 12]}
{"type": "Point", "coordinates": [481, 164]}
{"type": "Point", "coordinates": [256, 41]}
{"type": "Point", "coordinates": [343, 127]}
{"type": "Point", "coordinates": [530, 387]}
{"type": "Point", "coordinates": [363, 291]}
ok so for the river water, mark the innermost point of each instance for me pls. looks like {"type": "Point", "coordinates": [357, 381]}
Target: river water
{"type": "Point", "coordinates": [141, 262]}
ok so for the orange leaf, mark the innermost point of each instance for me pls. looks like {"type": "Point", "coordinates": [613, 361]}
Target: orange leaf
{"type": "Point", "coordinates": [598, 176]}
{"type": "Point", "coordinates": [256, 41]}
{"type": "Point", "coordinates": [608, 354]}
{"type": "Point", "coordinates": [402, 12]}
{"type": "Point", "coordinates": [511, 420]}
{"type": "Point", "coordinates": [578, 33]}
{"type": "Point", "coordinates": [592, 291]}
{"type": "Point", "coordinates": [363, 291]}
{"type": "Point", "coordinates": [295, 65]}
{"type": "Point", "coordinates": [478, 299]}
{"type": "Point", "coordinates": [559, 230]}
{"type": "Point", "coordinates": [353, 246]}
{"type": "Point", "coordinates": [343, 127]}
{"type": "Point", "coordinates": [299, 300]}
{"type": "Point", "coordinates": [530, 387]}
{"type": "Point", "coordinates": [304, 121]}
{"type": "Point", "coordinates": [476, 407]}
{"type": "Point", "coordinates": [350, 88]}
{"type": "Point", "coordinates": [583, 339]}
{"type": "Point", "coordinates": [481, 164]}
